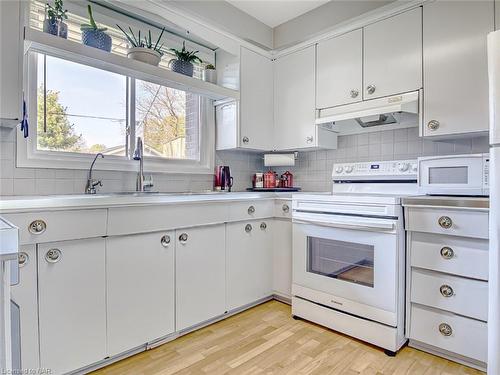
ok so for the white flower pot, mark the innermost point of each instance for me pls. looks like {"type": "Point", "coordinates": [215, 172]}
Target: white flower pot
{"type": "Point", "coordinates": [210, 75]}
{"type": "Point", "coordinates": [145, 55]}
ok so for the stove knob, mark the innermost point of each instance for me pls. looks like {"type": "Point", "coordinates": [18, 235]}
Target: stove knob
{"type": "Point", "coordinates": [403, 167]}
{"type": "Point", "coordinates": [348, 169]}
{"type": "Point", "coordinates": [339, 169]}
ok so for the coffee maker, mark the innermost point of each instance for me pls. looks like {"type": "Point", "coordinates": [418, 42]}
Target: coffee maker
{"type": "Point", "coordinates": [223, 179]}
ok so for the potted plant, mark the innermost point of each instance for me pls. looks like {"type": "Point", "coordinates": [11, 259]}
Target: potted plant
{"type": "Point", "coordinates": [94, 36]}
{"type": "Point", "coordinates": [184, 62]}
{"type": "Point", "coordinates": [144, 50]}
{"type": "Point", "coordinates": [54, 21]}
{"type": "Point", "coordinates": [210, 74]}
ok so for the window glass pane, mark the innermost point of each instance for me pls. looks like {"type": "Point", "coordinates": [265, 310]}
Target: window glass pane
{"type": "Point", "coordinates": [168, 121]}
{"type": "Point", "coordinates": [84, 108]}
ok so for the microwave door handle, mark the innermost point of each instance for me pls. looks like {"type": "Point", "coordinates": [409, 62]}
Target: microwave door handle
{"type": "Point", "coordinates": [347, 224]}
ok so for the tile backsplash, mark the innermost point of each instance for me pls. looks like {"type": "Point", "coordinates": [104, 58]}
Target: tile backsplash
{"type": "Point", "coordinates": [312, 171]}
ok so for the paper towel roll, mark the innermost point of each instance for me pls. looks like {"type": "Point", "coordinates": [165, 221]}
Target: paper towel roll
{"type": "Point", "coordinates": [279, 160]}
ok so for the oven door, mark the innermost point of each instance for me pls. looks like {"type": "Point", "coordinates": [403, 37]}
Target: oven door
{"type": "Point", "coordinates": [350, 265]}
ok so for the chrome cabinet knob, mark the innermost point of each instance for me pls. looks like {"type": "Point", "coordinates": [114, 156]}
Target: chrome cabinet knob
{"type": "Point", "coordinates": [285, 208]}
{"type": "Point", "coordinates": [263, 226]}
{"type": "Point", "coordinates": [446, 291]}
{"type": "Point", "coordinates": [37, 227]}
{"type": "Point", "coordinates": [354, 93]}
{"type": "Point", "coordinates": [251, 210]}
{"type": "Point", "coordinates": [433, 125]}
{"type": "Point", "coordinates": [445, 329]}
{"type": "Point", "coordinates": [248, 228]}
{"type": "Point", "coordinates": [370, 89]}
{"type": "Point", "coordinates": [246, 140]}
{"type": "Point", "coordinates": [53, 255]}
{"type": "Point", "coordinates": [309, 139]}
{"type": "Point", "coordinates": [23, 259]}
{"type": "Point", "coordinates": [447, 252]}
{"type": "Point", "coordinates": [183, 238]}
{"type": "Point", "coordinates": [445, 222]}
{"type": "Point", "coordinates": [165, 240]}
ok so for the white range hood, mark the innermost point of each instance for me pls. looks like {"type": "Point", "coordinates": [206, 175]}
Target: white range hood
{"type": "Point", "coordinates": [389, 113]}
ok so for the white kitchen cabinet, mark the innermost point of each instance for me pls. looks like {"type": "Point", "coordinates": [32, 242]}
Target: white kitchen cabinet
{"type": "Point", "coordinates": [11, 61]}
{"type": "Point", "coordinates": [339, 74]}
{"type": "Point", "coordinates": [282, 257]}
{"type": "Point", "coordinates": [392, 60]}
{"type": "Point", "coordinates": [200, 274]}
{"type": "Point", "coordinates": [72, 304]}
{"type": "Point", "coordinates": [140, 289]}
{"type": "Point", "coordinates": [248, 123]}
{"type": "Point", "coordinates": [249, 261]}
{"type": "Point", "coordinates": [455, 66]}
{"type": "Point", "coordinates": [24, 294]}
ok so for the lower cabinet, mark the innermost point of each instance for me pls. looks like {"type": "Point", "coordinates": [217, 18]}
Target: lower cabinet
{"type": "Point", "coordinates": [249, 261]}
{"type": "Point", "coordinates": [282, 257]}
{"type": "Point", "coordinates": [200, 274]}
{"type": "Point", "coordinates": [72, 304]}
{"type": "Point", "coordinates": [140, 289]}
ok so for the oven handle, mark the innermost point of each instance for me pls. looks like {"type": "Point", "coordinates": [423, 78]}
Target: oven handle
{"type": "Point", "coordinates": [349, 224]}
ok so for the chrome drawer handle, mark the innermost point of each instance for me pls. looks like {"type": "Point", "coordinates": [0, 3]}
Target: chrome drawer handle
{"type": "Point", "coordinates": [446, 291]}
{"type": "Point", "coordinates": [23, 259]}
{"type": "Point", "coordinates": [246, 140]}
{"type": "Point", "coordinates": [53, 255]}
{"type": "Point", "coordinates": [183, 238]}
{"type": "Point", "coordinates": [263, 226]}
{"type": "Point", "coordinates": [447, 252]}
{"type": "Point", "coordinates": [354, 93]}
{"type": "Point", "coordinates": [37, 227]}
{"type": "Point", "coordinates": [165, 240]}
{"type": "Point", "coordinates": [370, 89]}
{"type": "Point", "coordinates": [445, 222]}
{"type": "Point", "coordinates": [433, 125]}
{"type": "Point", "coordinates": [286, 208]}
{"type": "Point", "coordinates": [445, 329]}
{"type": "Point", "coordinates": [251, 210]}
{"type": "Point", "coordinates": [248, 228]}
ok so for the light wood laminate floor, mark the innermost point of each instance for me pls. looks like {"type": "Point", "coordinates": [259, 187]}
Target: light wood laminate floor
{"type": "Point", "coordinates": [266, 340]}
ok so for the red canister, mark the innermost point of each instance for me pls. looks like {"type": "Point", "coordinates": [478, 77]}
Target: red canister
{"type": "Point", "coordinates": [287, 178]}
{"type": "Point", "coordinates": [269, 179]}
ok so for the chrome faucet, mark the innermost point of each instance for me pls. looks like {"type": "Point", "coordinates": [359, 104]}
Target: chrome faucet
{"type": "Point", "coordinates": [90, 188]}
{"type": "Point", "coordinates": [142, 183]}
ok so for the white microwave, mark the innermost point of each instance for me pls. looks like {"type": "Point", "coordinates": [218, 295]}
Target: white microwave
{"type": "Point", "coordinates": [454, 175]}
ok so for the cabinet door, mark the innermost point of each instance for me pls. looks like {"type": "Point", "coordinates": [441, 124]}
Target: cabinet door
{"type": "Point", "coordinates": [72, 304]}
{"type": "Point", "coordinates": [256, 104]}
{"type": "Point", "coordinates": [140, 289]}
{"type": "Point", "coordinates": [11, 65]}
{"type": "Point", "coordinates": [393, 55]}
{"type": "Point", "coordinates": [25, 296]}
{"type": "Point", "coordinates": [456, 67]}
{"type": "Point", "coordinates": [282, 257]}
{"type": "Point", "coordinates": [339, 70]}
{"type": "Point", "coordinates": [294, 100]}
{"type": "Point", "coordinates": [249, 262]}
{"type": "Point", "coordinates": [200, 275]}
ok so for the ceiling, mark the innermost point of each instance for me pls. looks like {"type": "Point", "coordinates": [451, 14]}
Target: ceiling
{"type": "Point", "coordinates": [276, 12]}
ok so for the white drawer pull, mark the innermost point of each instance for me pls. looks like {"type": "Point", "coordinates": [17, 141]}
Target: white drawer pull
{"type": "Point", "coordinates": [445, 222]}
{"type": "Point", "coordinates": [37, 227]}
{"type": "Point", "coordinates": [446, 291]}
{"type": "Point", "coordinates": [445, 329]}
{"type": "Point", "coordinates": [447, 252]}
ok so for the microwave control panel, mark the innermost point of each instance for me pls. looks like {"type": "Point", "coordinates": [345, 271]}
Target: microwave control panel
{"type": "Point", "coordinates": [394, 169]}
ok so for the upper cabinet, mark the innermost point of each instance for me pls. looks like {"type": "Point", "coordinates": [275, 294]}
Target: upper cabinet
{"type": "Point", "coordinates": [392, 61]}
{"type": "Point", "coordinates": [11, 62]}
{"type": "Point", "coordinates": [339, 70]}
{"type": "Point", "coordinates": [455, 66]}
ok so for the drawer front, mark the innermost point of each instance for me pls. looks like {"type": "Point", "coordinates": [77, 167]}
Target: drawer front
{"type": "Point", "coordinates": [448, 221]}
{"type": "Point", "coordinates": [39, 227]}
{"type": "Point", "coordinates": [283, 209]}
{"type": "Point", "coordinates": [463, 336]}
{"type": "Point", "coordinates": [251, 210]}
{"type": "Point", "coordinates": [456, 294]}
{"type": "Point", "coordinates": [456, 255]}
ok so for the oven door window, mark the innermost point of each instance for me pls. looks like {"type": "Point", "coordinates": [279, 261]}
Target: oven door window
{"type": "Point", "coordinates": [347, 261]}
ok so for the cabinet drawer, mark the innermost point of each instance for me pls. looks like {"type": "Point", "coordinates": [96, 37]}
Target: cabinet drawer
{"type": "Point", "coordinates": [59, 225]}
{"type": "Point", "coordinates": [283, 209]}
{"type": "Point", "coordinates": [456, 255]}
{"type": "Point", "coordinates": [467, 337]}
{"type": "Point", "coordinates": [251, 210]}
{"type": "Point", "coordinates": [456, 294]}
{"type": "Point", "coordinates": [448, 221]}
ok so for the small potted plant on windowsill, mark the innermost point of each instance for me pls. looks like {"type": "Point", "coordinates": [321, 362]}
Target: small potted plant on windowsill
{"type": "Point", "coordinates": [94, 36]}
{"type": "Point", "coordinates": [210, 74]}
{"type": "Point", "coordinates": [144, 50]}
{"type": "Point", "coordinates": [184, 62]}
{"type": "Point", "coordinates": [54, 21]}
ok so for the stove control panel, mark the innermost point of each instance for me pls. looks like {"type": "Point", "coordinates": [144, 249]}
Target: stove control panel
{"type": "Point", "coordinates": [388, 170]}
